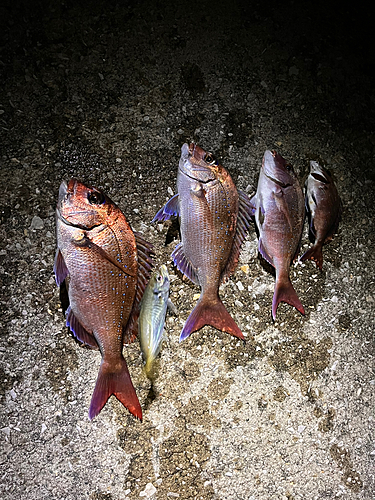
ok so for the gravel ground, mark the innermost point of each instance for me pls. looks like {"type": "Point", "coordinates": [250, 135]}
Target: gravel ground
{"type": "Point", "coordinates": [108, 93]}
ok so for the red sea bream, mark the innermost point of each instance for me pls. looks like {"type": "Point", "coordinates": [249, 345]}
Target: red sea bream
{"type": "Point", "coordinates": [107, 267]}
{"type": "Point", "coordinates": [324, 209]}
{"type": "Point", "coordinates": [278, 206]}
{"type": "Point", "coordinates": [214, 219]}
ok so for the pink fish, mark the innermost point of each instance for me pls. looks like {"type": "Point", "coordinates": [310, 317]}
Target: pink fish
{"type": "Point", "coordinates": [324, 210]}
{"type": "Point", "coordinates": [107, 267]}
{"type": "Point", "coordinates": [214, 219]}
{"type": "Point", "coordinates": [279, 211]}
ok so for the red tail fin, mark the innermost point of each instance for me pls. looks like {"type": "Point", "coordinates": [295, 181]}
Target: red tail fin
{"type": "Point", "coordinates": [314, 253]}
{"type": "Point", "coordinates": [284, 292]}
{"type": "Point", "coordinates": [210, 313]}
{"type": "Point", "coordinates": [115, 381]}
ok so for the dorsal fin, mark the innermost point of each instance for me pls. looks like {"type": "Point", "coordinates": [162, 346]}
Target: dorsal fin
{"type": "Point", "coordinates": [243, 222]}
{"type": "Point", "coordinates": [183, 264]}
{"type": "Point", "coordinates": [145, 252]}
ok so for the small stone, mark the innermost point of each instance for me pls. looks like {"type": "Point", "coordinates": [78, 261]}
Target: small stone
{"type": "Point", "coordinates": [196, 296]}
{"type": "Point", "coordinates": [148, 491]}
{"type": "Point", "coordinates": [37, 223]}
{"type": "Point", "coordinates": [240, 286]}
{"type": "Point", "coordinates": [170, 191]}
{"type": "Point", "coordinates": [245, 268]}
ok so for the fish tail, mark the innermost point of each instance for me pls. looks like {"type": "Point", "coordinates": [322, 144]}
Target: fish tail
{"type": "Point", "coordinates": [117, 382]}
{"type": "Point", "coordinates": [314, 253]}
{"type": "Point", "coordinates": [149, 368]}
{"type": "Point", "coordinates": [284, 292]}
{"type": "Point", "coordinates": [210, 313]}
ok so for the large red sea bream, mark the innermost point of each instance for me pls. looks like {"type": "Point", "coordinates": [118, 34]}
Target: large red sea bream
{"type": "Point", "coordinates": [107, 267]}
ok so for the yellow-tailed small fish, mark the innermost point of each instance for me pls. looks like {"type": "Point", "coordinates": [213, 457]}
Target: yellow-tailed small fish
{"type": "Point", "coordinates": [152, 316]}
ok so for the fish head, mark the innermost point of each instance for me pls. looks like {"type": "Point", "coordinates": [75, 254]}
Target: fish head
{"type": "Point", "coordinates": [277, 169]}
{"type": "Point", "coordinates": [82, 206]}
{"type": "Point", "coordinates": [319, 174]}
{"type": "Point", "coordinates": [161, 280]}
{"type": "Point", "coordinates": [199, 165]}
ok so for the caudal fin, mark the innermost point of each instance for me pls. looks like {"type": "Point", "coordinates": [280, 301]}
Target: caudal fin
{"type": "Point", "coordinates": [314, 253]}
{"type": "Point", "coordinates": [210, 313]}
{"type": "Point", "coordinates": [284, 292]}
{"type": "Point", "coordinates": [117, 382]}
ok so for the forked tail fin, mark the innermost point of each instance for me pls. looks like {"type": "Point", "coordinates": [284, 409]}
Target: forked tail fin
{"type": "Point", "coordinates": [118, 382]}
{"type": "Point", "coordinates": [210, 313]}
{"type": "Point", "coordinates": [314, 253]}
{"type": "Point", "coordinates": [284, 292]}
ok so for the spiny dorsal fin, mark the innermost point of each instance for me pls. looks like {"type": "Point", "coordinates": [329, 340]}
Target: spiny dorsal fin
{"type": "Point", "coordinates": [243, 222]}
{"type": "Point", "coordinates": [145, 252]}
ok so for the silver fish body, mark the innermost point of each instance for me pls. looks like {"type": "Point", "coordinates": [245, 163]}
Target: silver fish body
{"type": "Point", "coordinates": [152, 316]}
{"type": "Point", "coordinates": [278, 206]}
{"type": "Point", "coordinates": [324, 209]}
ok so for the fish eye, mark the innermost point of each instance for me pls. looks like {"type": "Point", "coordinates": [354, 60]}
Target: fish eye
{"type": "Point", "coordinates": [95, 198]}
{"type": "Point", "coordinates": [288, 166]}
{"type": "Point", "coordinates": [210, 159]}
{"type": "Point", "coordinates": [159, 278]}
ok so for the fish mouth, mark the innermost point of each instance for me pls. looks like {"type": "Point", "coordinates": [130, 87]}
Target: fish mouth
{"type": "Point", "coordinates": [193, 165]}
{"type": "Point", "coordinates": [66, 190]}
{"type": "Point", "coordinates": [274, 164]}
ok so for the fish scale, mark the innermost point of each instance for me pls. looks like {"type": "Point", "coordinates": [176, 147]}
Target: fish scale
{"type": "Point", "coordinates": [214, 220]}
{"type": "Point", "coordinates": [107, 267]}
{"type": "Point", "coordinates": [278, 208]}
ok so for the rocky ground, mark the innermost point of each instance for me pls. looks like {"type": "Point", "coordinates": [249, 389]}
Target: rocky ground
{"type": "Point", "coordinates": [108, 93]}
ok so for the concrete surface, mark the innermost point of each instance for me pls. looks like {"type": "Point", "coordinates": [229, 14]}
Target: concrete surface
{"type": "Point", "coordinates": [108, 93]}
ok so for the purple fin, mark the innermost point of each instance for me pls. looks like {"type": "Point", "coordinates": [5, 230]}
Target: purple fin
{"type": "Point", "coordinates": [145, 252]}
{"type": "Point", "coordinates": [243, 223]}
{"type": "Point", "coordinates": [169, 209]}
{"type": "Point", "coordinates": [79, 332]}
{"type": "Point", "coordinates": [210, 313]}
{"type": "Point", "coordinates": [253, 204]}
{"type": "Point", "coordinates": [114, 382]}
{"type": "Point", "coordinates": [263, 252]}
{"type": "Point", "coordinates": [59, 268]}
{"type": "Point", "coordinates": [183, 264]}
{"type": "Point", "coordinates": [314, 253]}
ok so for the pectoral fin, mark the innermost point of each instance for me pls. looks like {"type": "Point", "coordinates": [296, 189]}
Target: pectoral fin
{"type": "Point", "coordinates": [59, 268]}
{"type": "Point", "coordinates": [86, 242]}
{"type": "Point", "coordinates": [171, 208]}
